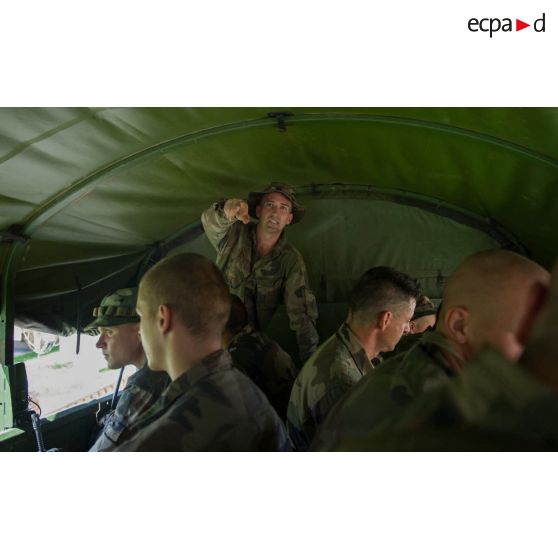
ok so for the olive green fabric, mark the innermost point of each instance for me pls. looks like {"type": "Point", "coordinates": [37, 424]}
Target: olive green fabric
{"type": "Point", "coordinates": [96, 189]}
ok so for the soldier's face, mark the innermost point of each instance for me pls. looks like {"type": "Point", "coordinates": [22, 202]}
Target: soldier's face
{"type": "Point", "coordinates": [274, 212]}
{"type": "Point", "coordinates": [399, 325]}
{"type": "Point", "coordinates": [149, 334]}
{"type": "Point", "coordinates": [120, 345]}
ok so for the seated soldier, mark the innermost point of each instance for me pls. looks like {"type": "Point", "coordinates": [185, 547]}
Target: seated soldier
{"type": "Point", "coordinates": [424, 319]}
{"type": "Point", "coordinates": [118, 324]}
{"type": "Point", "coordinates": [380, 308]}
{"type": "Point", "coordinates": [260, 357]}
{"type": "Point", "coordinates": [487, 301]}
{"type": "Point", "coordinates": [210, 405]}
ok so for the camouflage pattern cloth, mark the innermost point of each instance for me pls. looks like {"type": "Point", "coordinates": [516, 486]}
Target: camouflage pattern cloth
{"type": "Point", "coordinates": [262, 283]}
{"type": "Point", "coordinates": [142, 390]}
{"type": "Point", "coordinates": [211, 407]}
{"type": "Point", "coordinates": [116, 309]}
{"type": "Point", "coordinates": [380, 400]}
{"type": "Point", "coordinates": [266, 364]}
{"type": "Point", "coordinates": [406, 343]}
{"type": "Point", "coordinates": [331, 371]}
{"type": "Point", "coordinates": [491, 405]}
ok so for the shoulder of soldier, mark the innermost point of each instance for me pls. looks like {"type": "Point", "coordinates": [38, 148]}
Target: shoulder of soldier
{"type": "Point", "coordinates": [331, 359]}
{"type": "Point", "coordinates": [227, 386]}
{"type": "Point", "coordinates": [292, 255]}
{"type": "Point", "coordinates": [222, 402]}
{"type": "Point", "coordinates": [253, 340]}
{"type": "Point", "coordinates": [148, 379]}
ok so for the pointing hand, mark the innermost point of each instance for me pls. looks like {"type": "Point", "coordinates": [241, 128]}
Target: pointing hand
{"type": "Point", "coordinates": [236, 209]}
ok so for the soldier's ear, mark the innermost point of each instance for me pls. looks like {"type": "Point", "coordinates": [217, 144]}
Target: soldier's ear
{"type": "Point", "coordinates": [384, 318]}
{"type": "Point", "coordinates": [164, 318]}
{"type": "Point", "coordinates": [455, 324]}
{"type": "Point", "coordinates": [290, 218]}
{"type": "Point", "coordinates": [258, 211]}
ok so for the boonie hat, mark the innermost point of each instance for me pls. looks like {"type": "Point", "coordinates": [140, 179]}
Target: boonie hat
{"type": "Point", "coordinates": [424, 307]}
{"type": "Point", "coordinates": [116, 309]}
{"type": "Point", "coordinates": [255, 198]}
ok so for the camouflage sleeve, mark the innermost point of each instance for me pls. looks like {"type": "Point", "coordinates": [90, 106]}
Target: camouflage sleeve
{"type": "Point", "coordinates": [302, 308]}
{"type": "Point", "coordinates": [215, 224]}
{"type": "Point", "coordinates": [141, 392]}
{"type": "Point", "coordinates": [133, 401]}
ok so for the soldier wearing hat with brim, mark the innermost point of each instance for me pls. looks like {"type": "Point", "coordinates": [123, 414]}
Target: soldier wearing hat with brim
{"type": "Point", "coordinates": [117, 323]}
{"type": "Point", "coordinates": [424, 317]}
{"type": "Point", "coordinates": [258, 263]}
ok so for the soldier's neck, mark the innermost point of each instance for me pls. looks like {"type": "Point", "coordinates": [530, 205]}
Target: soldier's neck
{"type": "Point", "coordinates": [265, 242]}
{"type": "Point", "coordinates": [140, 361]}
{"type": "Point", "coordinates": [366, 338]}
{"type": "Point", "coordinates": [185, 353]}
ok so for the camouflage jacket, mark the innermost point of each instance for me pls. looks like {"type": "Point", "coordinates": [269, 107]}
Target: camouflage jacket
{"type": "Point", "coordinates": [406, 343]}
{"type": "Point", "coordinates": [380, 400]}
{"type": "Point", "coordinates": [262, 283]}
{"type": "Point", "coordinates": [142, 390]}
{"type": "Point", "coordinates": [266, 364]}
{"type": "Point", "coordinates": [492, 404]}
{"type": "Point", "coordinates": [331, 371]}
{"type": "Point", "coordinates": [211, 407]}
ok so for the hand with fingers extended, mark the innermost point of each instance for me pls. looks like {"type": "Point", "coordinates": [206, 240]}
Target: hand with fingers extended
{"type": "Point", "coordinates": [236, 209]}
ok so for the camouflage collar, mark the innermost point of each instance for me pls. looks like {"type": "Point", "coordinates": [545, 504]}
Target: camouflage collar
{"type": "Point", "coordinates": [348, 338]}
{"type": "Point", "coordinates": [214, 362]}
{"type": "Point", "coordinates": [439, 341]}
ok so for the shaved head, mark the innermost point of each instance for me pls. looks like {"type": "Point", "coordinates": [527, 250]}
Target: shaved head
{"type": "Point", "coordinates": [488, 300]}
{"type": "Point", "coordinates": [194, 287]}
{"type": "Point", "coordinates": [184, 304]}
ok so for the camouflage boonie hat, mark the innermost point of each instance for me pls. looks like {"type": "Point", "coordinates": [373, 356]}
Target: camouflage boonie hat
{"type": "Point", "coordinates": [424, 307]}
{"type": "Point", "coordinates": [116, 309]}
{"type": "Point", "coordinates": [254, 199]}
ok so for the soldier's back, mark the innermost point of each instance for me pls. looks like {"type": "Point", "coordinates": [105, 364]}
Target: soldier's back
{"type": "Point", "coordinates": [211, 407]}
{"type": "Point", "coordinates": [267, 364]}
{"type": "Point", "coordinates": [378, 403]}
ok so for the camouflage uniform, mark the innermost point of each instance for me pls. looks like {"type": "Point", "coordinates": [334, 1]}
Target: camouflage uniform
{"type": "Point", "coordinates": [380, 400]}
{"type": "Point", "coordinates": [331, 371]}
{"type": "Point", "coordinates": [211, 407]}
{"type": "Point", "coordinates": [406, 343]}
{"type": "Point", "coordinates": [266, 364]}
{"type": "Point", "coordinates": [261, 283]}
{"type": "Point", "coordinates": [143, 388]}
{"type": "Point", "coordinates": [492, 404]}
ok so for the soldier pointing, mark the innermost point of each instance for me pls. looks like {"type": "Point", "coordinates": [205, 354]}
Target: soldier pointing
{"type": "Point", "coordinates": [258, 263]}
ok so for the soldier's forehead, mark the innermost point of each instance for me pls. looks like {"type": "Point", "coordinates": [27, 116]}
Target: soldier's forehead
{"type": "Point", "coordinates": [276, 197]}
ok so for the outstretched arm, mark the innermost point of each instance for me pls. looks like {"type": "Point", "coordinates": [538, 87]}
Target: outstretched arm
{"type": "Point", "coordinates": [218, 219]}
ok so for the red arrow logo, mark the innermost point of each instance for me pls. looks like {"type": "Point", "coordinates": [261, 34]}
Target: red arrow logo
{"type": "Point", "coordinates": [519, 25]}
